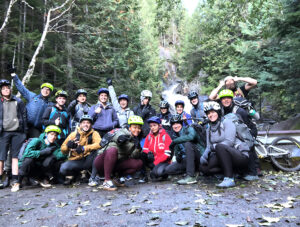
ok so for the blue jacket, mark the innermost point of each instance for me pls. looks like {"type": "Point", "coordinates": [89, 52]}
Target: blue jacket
{"type": "Point", "coordinates": [189, 118]}
{"type": "Point", "coordinates": [198, 113]}
{"type": "Point", "coordinates": [36, 104]}
{"type": "Point", "coordinates": [106, 120]}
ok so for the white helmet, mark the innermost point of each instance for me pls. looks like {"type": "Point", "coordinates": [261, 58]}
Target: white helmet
{"type": "Point", "coordinates": [146, 93]}
{"type": "Point", "coordinates": [211, 105]}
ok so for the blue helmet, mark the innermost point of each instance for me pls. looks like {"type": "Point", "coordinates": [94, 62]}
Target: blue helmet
{"type": "Point", "coordinates": [103, 90]}
{"type": "Point", "coordinates": [179, 102]}
{"type": "Point", "coordinates": [123, 96]}
{"type": "Point", "coordinates": [154, 119]}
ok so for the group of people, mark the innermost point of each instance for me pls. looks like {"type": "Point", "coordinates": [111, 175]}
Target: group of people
{"type": "Point", "coordinates": [45, 143]}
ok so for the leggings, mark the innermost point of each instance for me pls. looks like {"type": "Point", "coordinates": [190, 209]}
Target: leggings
{"type": "Point", "coordinates": [108, 163]}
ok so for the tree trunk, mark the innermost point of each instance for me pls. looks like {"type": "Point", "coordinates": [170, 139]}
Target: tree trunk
{"type": "Point", "coordinates": [69, 54]}
{"type": "Point", "coordinates": [23, 42]}
{"type": "Point", "coordinates": [11, 3]}
{"type": "Point", "coordinates": [4, 38]}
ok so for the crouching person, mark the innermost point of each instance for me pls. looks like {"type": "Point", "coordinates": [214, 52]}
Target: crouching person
{"type": "Point", "coordinates": [120, 155]}
{"type": "Point", "coordinates": [187, 147]}
{"type": "Point", "coordinates": [42, 157]}
{"type": "Point", "coordinates": [81, 146]}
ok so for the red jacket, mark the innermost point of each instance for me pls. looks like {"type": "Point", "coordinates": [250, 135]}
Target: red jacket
{"type": "Point", "coordinates": [159, 145]}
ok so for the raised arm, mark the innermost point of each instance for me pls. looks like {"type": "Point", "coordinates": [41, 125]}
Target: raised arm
{"type": "Point", "coordinates": [21, 88]}
{"type": "Point", "coordinates": [250, 82]}
{"type": "Point", "coordinates": [214, 94]}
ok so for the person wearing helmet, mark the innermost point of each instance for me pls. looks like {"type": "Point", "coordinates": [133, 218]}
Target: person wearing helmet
{"type": "Point", "coordinates": [187, 147]}
{"type": "Point", "coordinates": [78, 107]}
{"type": "Point", "coordinates": [231, 83]}
{"type": "Point", "coordinates": [121, 156]}
{"type": "Point", "coordinates": [13, 129]}
{"type": "Point", "coordinates": [58, 115]}
{"type": "Point", "coordinates": [197, 112]}
{"type": "Point", "coordinates": [145, 110]}
{"type": "Point", "coordinates": [179, 107]}
{"type": "Point", "coordinates": [81, 146]}
{"type": "Point", "coordinates": [104, 116]}
{"type": "Point", "coordinates": [165, 115]}
{"type": "Point", "coordinates": [120, 104]}
{"type": "Point", "coordinates": [42, 158]}
{"type": "Point", "coordinates": [224, 151]}
{"type": "Point", "coordinates": [36, 104]}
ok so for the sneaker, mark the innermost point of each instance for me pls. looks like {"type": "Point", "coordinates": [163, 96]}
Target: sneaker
{"type": "Point", "coordinates": [1, 184]}
{"type": "Point", "coordinates": [15, 187]}
{"type": "Point", "coordinates": [250, 178]}
{"type": "Point", "coordinates": [226, 183]}
{"type": "Point", "coordinates": [143, 180]}
{"type": "Point", "coordinates": [119, 182]}
{"type": "Point", "coordinates": [187, 180]}
{"type": "Point", "coordinates": [128, 178]}
{"type": "Point", "coordinates": [109, 186]}
{"type": "Point", "coordinates": [68, 180]}
{"type": "Point", "coordinates": [45, 184]}
{"type": "Point", "coordinates": [33, 182]}
{"type": "Point", "coordinates": [93, 182]}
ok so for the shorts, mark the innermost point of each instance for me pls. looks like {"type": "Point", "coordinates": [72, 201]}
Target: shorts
{"type": "Point", "coordinates": [12, 140]}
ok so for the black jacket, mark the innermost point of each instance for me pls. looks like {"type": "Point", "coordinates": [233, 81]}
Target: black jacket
{"type": "Point", "coordinates": [145, 112]}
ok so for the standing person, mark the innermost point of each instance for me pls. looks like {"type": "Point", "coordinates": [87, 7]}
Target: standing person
{"type": "Point", "coordinates": [179, 107]}
{"type": "Point", "coordinates": [58, 115]}
{"type": "Point", "coordinates": [231, 83]}
{"type": "Point", "coordinates": [165, 115]}
{"type": "Point", "coordinates": [120, 104]}
{"type": "Point", "coordinates": [223, 148]}
{"type": "Point", "coordinates": [78, 107]}
{"type": "Point", "coordinates": [42, 157]}
{"type": "Point", "coordinates": [197, 111]}
{"type": "Point", "coordinates": [36, 104]}
{"type": "Point", "coordinates": [121, 155]}
{"type": "Point", "coordinates": [13, 129]}
{"type": "Point", "coordinates": [156, 149]}
{"type": "Point", "coordinates": [104, 116]}
{"type": "Point", "coordinates": [81, 146]}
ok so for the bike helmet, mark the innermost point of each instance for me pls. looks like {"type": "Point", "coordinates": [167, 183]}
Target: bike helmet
{"type": "Point", "coordinates": [211, 105]}
{"type": "Point", "coordinates": [135, 120]}
{"type": "Point", "coordinates": [81, 91]}
{"type": "Point", "coordinates": [48, 85]}
{"type": "Point", "coordinates": [52, 128]}
{"type": "Point", "coordinates": [61, 93]}
{"type": "Point", "coordinates": [123, 96]}
{"type": "Point", "coordinates": [241, 102]}
{"type": "Point", "coordinates": [86, 117]}
{"type": "Point", "coordinates": [154, 119]}
{"type": "Point", "coordinates": [226, 93]}
{"type": "Point", "coordinates": [164, 104]}
{"type": "Point", "coordinates": [192, 94]}
{"type": "Point", "coordinates": [4, 82]}
{"type": "Point", "coordinates": [103, 90]}
{"type": "Point", "coordinates": [179, 102]}
{"type": "Point", "coordinates": [176, 118]}
{"type": "Point", "coordinates": [145, 94]}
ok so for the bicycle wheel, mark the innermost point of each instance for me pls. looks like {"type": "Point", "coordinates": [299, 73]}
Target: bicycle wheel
{"type": "Point", "coordinates": [287, 161]}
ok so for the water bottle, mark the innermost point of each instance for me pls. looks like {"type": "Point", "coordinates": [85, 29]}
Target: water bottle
{"type": "Point", "coordinates": [254, 114]}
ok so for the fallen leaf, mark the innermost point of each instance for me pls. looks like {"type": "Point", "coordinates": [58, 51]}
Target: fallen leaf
{"type": "Point", "coordinates": [271, 219]}
{"type": "Point", "coordinates": [26, 209]}
{"type": "Point", "coordinates": [26, 204]}
{"type": "Point", "coordinates": [86, 203]}
{"type": "Point", "coordinates": [45, 205]}
{"type": "Point", "coordinates": [117, 214]}
{"type": "Point", "coordinates": [155, 211]}
{"type": "Point", "coordinates": [152, 224]}
{"type": "Point", "coordinates": [172, 210]}
{"type": "Point", "coordinates": [234, 225]}
{"type": "Point", "coordinates": [79, 212]}
{"type": "Point", "coordinates": [131, 211]}
{"type": "Point", "coordinates": [20, 216]}
{"type": "Point", "coordinates": [202, 201]}
{"type": "Point", "coordinates": [186, 208]}
{"type": "Point", "coordinates": [107, 204]}
{"type": "Point", "coordinates": [62, 204]}
{"type": "Point", "coordinates": [181, 223]}
{"type": "Point", "coordinates": [24, 222]}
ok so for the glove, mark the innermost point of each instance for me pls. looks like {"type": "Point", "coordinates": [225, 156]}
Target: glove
{"type": "Point", "coordinates": [46, 151]}
{"type": "Point", "coordinates": [203, 160]}
{"type": "Point", "coordinates": [109, 81]}
{"type": "Point", "coordinates": [80, 149]}
{"type": "Point", "coordinates": [71, 144]}
{"type": "Point", "coordinates": [150, 157]}
{"type": "Point", "coordinates": [123, 138]}
{"type": "Point", "coordinates": [11, 69]}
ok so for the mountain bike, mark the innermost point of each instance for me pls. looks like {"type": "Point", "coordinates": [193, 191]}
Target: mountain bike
{"type": "Point", "coordinates": [284, 152]}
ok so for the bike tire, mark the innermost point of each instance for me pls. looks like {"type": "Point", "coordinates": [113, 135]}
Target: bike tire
{"type": "Point", "coordinates": [286, 163]}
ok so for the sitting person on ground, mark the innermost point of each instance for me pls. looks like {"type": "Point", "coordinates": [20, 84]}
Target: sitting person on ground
{"type": "Point", "coordinates": [120, 104]}
{"type": "Point", "coordinates": [197, 112]}
{"type": "Point", "coordinates": [42, 158]}
{"type": "Point", "coordinates": [179, 107]}
{"type": "Point", "coordinates": [224, 149]}
{"type": "Point", "coordinates": [120, 156]}
{"type": "Point", "coordinates": [77, 108]}
{"type": "Point", "coordinates": [58, 115]}
{"type": "Point", "coordinates": [156, 149]}
{"type": "Point", "coordinates": [187, 146]}
{"type": "Point", "coordinates": [81, 147]}
{"type": "Point", "coordinates": [103, 114]}
{"type": "Point", "coordinates": [165, 115]}
{"type": "Point", "coordinates": [13, 129]}
{"type": "Point", "coordinates": [36, 104]}
{"type": "Point", "coordinates": [231, 83]}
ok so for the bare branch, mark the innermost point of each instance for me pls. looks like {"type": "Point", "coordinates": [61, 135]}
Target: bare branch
{"type": "Point", "coordinates": [61, 14]}
{"type": "Point", "coordinates": [26, 3]}
{"type": "Point", "coordinates": [11, 3]}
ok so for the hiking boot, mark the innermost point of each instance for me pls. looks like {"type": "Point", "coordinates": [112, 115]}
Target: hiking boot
{"type": "Point", "coordinates": [226, 183]}
{"type": "Point", "coordinates": [68, 180]}
{"type": "Point", "coordinates": [143, 180]}
{"type": "Point", "coordinates": [45, 184]}
{"type": "Point", "coordinates": [15, 186]}
{"type": "Point", "coordinates": [1, 184]}
{"type": "Point", "coordinates": [119, 182]}
{"type": "Point", "coordinates": [109, 186]}
{"type": "Point", "coordinates": [93, 181]}
{"type": "Point", "coordinates": [250, 178]}
{"type": "Point", "coordinates": [187, 180]}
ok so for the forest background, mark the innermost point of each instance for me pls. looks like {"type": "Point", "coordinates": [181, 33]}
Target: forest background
{"type": "Point", "coordinates": [83, 42]}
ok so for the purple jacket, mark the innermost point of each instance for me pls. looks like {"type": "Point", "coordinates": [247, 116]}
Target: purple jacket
{"type": "Point", "coordinates": [107, 119]}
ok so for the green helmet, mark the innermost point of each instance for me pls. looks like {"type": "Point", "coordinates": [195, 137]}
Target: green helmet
{"type": "Point", "coordinates": [53, 128]}
{"type": "Point", "coordinates": [61, 93]}
{"type": "Point", "coordinates": [48, 85]}
{"type": "Point", "coordinates": [135, 120]}
{"type": "Point", "coordinates": [226, 93]}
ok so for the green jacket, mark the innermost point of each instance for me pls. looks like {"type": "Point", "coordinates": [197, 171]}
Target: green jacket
{"type": "Point", "coordinates": [36, 145]}
{"type": "Point", "coordinates": [126, 150]}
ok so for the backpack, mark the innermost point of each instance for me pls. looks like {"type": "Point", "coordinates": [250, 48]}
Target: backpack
{"type": "Point", "coordinates": [23, 147]}
{"type": "Point", "coordinates": [242, 130]}
{"type": "Point", "coordinates": [201, 131]}
{"type": "Point", "coordinates": [108, 137]}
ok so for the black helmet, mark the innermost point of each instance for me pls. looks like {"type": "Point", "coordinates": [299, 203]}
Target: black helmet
{"type": "Point", "coordinates": [164, 104]}
{"type": "Point", "coordinates": [86, 117]}
{"type": "Point", "coordinates": [80, 91]}
{"type": "Point", "coordinates": [4, 82]}
{"type": "Point", "coordinates": [176, 118]}
{"type": "Point", "coordinates": [242, 102]}
{"type": "Point", "coordinates": [192, 94]}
